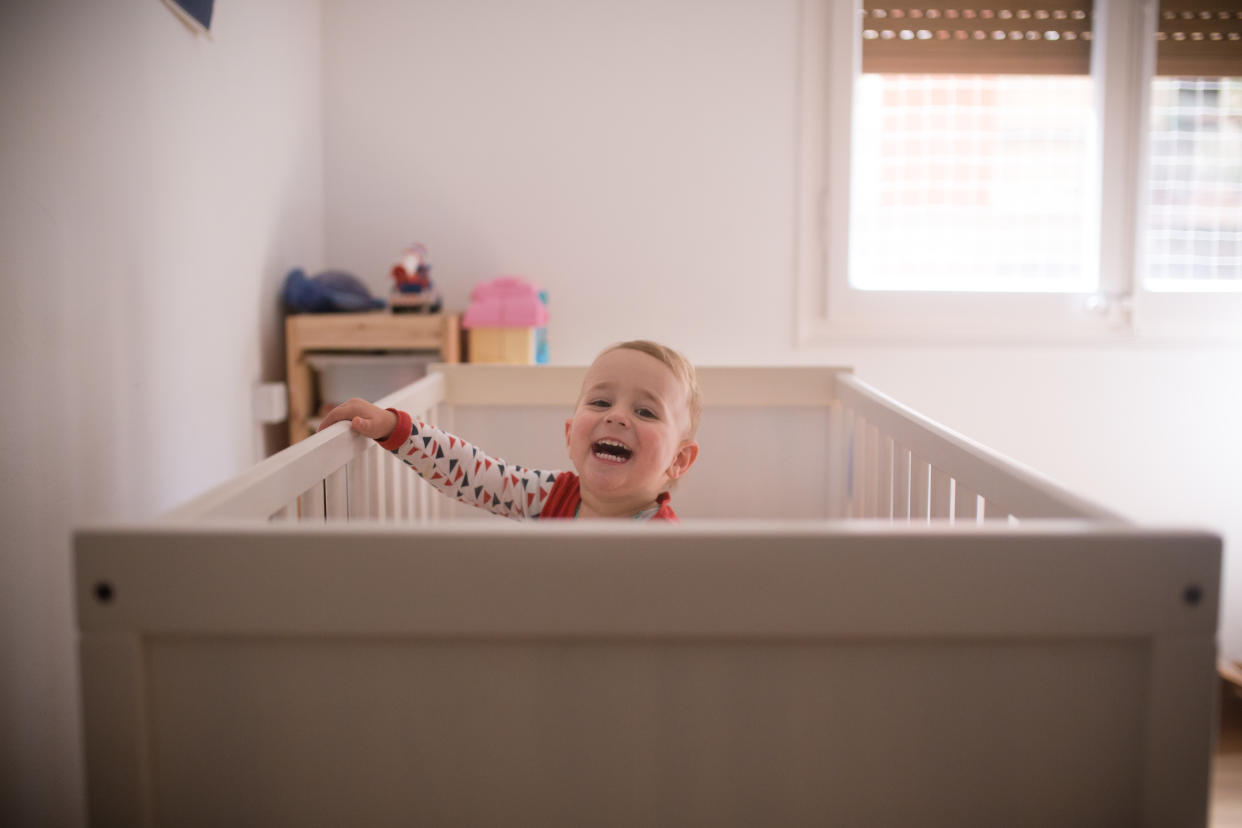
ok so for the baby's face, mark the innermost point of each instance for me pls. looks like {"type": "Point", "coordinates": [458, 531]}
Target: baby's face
{"type": "Point", "coordinates": [627, 437]}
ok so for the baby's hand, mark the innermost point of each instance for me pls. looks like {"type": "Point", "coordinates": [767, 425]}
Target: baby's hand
{"type": "Point", "coordinates": [367, 419]}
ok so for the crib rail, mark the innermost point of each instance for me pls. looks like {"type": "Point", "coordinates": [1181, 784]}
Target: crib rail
{"type": "Point", "coordinates": [886, 460]}
{"type": "Point", "coordinates": [336, 475]}
{"type": "Point", "coordinates": [903, 466]}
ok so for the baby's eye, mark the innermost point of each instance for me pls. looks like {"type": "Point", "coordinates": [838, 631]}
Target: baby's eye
{"type": "Point", "coordinates": [598, 403]}
{"type": "Point", "coordinates": [646, 413]}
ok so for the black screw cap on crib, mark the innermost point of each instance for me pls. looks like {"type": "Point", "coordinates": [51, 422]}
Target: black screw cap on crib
{"type": "Point", "coordinates": [104, 592]}
{"type": "Point", "coordinates": [1193, 594]}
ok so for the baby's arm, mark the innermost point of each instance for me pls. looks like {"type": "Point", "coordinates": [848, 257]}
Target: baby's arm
{"type": "Point", "coordinates": [449, 463]}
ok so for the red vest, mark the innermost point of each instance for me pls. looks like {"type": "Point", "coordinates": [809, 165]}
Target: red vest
{"type": "Point", "coordinates": [564, 499]}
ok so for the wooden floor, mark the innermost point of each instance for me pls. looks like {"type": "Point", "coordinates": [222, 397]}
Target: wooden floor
{"type": "Point", "coordinates": [1227, 770]}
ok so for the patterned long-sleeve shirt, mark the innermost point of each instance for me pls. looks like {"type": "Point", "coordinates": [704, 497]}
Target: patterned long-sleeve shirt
{"type": "Point", "coordinates": [465, 473]}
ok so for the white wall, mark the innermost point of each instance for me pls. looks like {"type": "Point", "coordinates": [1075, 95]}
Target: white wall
{"type": "Point", "coordinates": [635, 158]}
{"type": "Point", "coordinates": [638, 160]}
{"type": "Point", "coordinates": [155, 189]}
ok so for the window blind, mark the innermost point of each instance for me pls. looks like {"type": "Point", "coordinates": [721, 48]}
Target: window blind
{"type": "Point", "coordinates": [1199, 38]}
{"type": "Point", "coordinates": [1031, 37]}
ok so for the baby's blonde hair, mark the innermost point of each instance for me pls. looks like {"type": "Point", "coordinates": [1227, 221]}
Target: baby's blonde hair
{"type": "Point", "coordinates": [681, 367]}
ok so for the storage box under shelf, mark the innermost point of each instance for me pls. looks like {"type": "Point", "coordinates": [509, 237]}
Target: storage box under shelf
{"type": "Point", "coordinates": [342, 376]}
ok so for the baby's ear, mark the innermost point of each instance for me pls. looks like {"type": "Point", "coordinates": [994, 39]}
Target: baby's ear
{"type": "Point", "coordinates": [568, 424]}
{"type": "Point", "coordinates": [683, 459]}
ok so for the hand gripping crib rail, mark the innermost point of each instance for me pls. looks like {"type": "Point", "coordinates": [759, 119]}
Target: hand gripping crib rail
{"type": "Point", "coordinates": [864, 619]}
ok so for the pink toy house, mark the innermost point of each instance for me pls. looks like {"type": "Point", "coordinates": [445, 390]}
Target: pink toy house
{"type": "Point", "coordinates": [506, 322]}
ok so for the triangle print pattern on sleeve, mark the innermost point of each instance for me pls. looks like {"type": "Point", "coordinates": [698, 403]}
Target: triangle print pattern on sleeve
{"type": "Point", "coordinates": [465, 473]}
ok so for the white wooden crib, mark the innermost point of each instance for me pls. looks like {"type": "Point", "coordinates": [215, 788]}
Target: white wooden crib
{"type": "Point", "coordinates": [864, 619]}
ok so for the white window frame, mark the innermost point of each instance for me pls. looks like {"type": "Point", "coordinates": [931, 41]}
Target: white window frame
{"type": "Point", "coordinates": [829, 309]}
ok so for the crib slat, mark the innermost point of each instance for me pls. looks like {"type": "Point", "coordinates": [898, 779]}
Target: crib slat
{"type": "Point", "coordinates": [884, 479]}
{"type": "Point", "coordinates": [336, 494]}
{"type": "Point", "coordinates": [965, 503]}
{"type": "Point", "coordinates": [417, 488]}
{"type": "Point", "coordinates": [858, 466]}
{"type": "Point", "coordinates": [871, 505]}
{"type": "Point", "coordinates": [901, 482]}
{"type": "Point", "coordinates": [385, 482]}
{"type": "Point", "coordinates": [836, 465]}
{"type": "Point", "coordinates": [862, 471]}
{"type": "Point", "coordinates": [866, 466]}
{"type": "Point", "coordinates": [437, 505]}
{"type": "Point", "coordinates": [287, 513]}
{"type": "Point", "coordinates": [403, 492]}
{"type": "Point", "coordinates": [356, 480]}
{"type": "Point", "coordinates": [411, 497]}
{"type": "Point", "coordinates": [391, 486]}
{"type": "Point", "coordinates": [312, 503]}
{"type": "Point", "coordinates": [396, 491]}
{"type": "Point", "coordinates": [422, 509]}
{"type": "Point", "coordinates": [405, 489]}
{"type": "Point", "coordinates": [994, 511]}
{"type": "Point", "coordinates": [941, 494]}
{"type": "Point", "coordinates": [847, 450]}
{"type": "Point", "coordinates": [919, 471]}
{"type": "Point", "coordinates": [375, 482]}
{"type": "Point", "coordinates": [442, 416]}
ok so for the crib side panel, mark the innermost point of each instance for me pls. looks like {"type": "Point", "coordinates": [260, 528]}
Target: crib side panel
{"type": "Point", "coordinates": [701, 673]}
{"type": "Point", "coordinates": [940, 462]}
{"type": "Point", "coordinates": [769, 443]}
{"type": "Point", "coordinates": [754, 461]}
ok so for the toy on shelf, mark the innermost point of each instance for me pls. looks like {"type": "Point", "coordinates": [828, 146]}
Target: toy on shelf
{"type": "Point", "coordinates": [412, 290]}
{"type": "Point", "coordinates": [507, 322]}
{"type": "Point", "coordinates": [332, 291]}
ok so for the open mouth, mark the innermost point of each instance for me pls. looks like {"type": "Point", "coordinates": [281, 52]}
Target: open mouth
{"type": "Point", "coordinates": [610, 451]}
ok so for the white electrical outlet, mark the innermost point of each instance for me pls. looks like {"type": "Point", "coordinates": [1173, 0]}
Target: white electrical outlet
{"type": "Point", "coordinates": [270, 402]}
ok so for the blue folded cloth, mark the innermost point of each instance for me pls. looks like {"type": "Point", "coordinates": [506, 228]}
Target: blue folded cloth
{"type": "Point", "coordinates": [327, 292]}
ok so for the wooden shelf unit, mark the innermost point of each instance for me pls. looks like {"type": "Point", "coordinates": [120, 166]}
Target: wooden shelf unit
{"type": "Point", "coordinates": [376, 331]}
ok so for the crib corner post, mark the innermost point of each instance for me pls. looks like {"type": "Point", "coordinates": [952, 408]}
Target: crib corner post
{"type": "Point", "coordinates": [1179, 717]}
{"type": "Point", "coordinates": [118, 757]}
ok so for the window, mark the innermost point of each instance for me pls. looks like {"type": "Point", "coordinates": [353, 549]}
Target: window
{"type": "Point", "coordinates": [1058, 169]}
{"type": "Point", "coordinates": [961, 180]}
{"type": "Point", "coordinates": [1194, 218]}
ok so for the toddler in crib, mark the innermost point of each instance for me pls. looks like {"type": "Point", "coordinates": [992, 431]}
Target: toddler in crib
{"type": "Point", "coordinates": [631, 435]}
